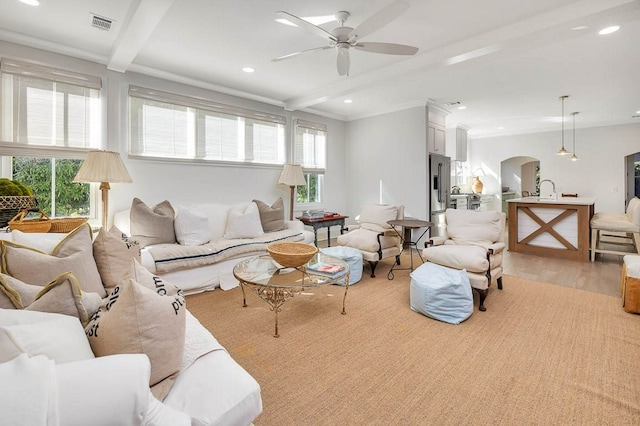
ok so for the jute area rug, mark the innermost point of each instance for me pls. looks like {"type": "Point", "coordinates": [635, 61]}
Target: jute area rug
{"type": "Point", "coordinates": [541, 354]}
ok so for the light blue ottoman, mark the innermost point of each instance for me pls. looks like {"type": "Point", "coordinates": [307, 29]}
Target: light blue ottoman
{"type": "Point", "coordinates": [352, 256]}
{"type": "Point", "coordinates": [441, 293]}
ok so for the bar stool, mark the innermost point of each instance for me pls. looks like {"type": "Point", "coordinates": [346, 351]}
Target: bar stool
{"type": "Point", "coordinates": [616, 228]}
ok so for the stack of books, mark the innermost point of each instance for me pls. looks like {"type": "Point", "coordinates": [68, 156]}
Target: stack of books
{"type": "Point", "coordinates": [327, 269]}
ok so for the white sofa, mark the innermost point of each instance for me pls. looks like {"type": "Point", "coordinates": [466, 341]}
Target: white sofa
{"type": "Point", "coordinates": [206, 272]}
{"type": "Point", "coordinates": [210, 389]}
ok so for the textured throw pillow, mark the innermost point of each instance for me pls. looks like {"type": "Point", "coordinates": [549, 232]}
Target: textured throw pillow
{"type": "Point", "coordinates": [73, 254]}
{"type": "Point", "coordinates": [142, 276]}
{"type": "Point", "coordinates": [192, 227]}
{"type": "Point", "coordinates": [134, 319]}
{"type": "Point", "coordinates": [271, 217]}
{"type": "Point", "coordinates": [244, 222]}
{"type": "Point", "coordinates": [152, 225]}
{"type": "Point", "coordinates": [113, 256]}
{"type": "Point", "coordinates": [59, 337]}
{"type": "Point", "coordinates": [61, 296]}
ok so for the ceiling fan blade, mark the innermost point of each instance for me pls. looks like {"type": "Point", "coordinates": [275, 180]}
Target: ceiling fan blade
{"type": "Point", "coordinates": [344, 61]}
{"type": "Point", "coordinates": [305, 24]}
{"type": "Point", "coordinates": [379, 20]}
{"type": "Point", "coordinates": [387, 48]}
{"type": "Point", "coordinates": [302, 52]}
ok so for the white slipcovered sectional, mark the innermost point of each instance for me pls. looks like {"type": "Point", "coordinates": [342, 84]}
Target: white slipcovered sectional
{"type": "Point", "coordinates": [215, 237]}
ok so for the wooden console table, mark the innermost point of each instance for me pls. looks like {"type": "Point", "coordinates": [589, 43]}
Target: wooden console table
{"type": "Point", "coordinates": [324, 222]}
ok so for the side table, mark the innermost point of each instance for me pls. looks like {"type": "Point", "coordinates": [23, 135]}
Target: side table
{"type": "Point", "coordinates": [323, 222]}
{"type": "Point", "coordinates": [408, 225]}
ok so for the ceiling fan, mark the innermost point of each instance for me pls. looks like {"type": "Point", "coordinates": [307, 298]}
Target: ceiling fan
{"type": "Point", "coordinates": [344, 38]}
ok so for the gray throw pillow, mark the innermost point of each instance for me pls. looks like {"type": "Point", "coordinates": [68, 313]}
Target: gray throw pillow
{"type": "Point", "coordinates": [152, 225]}
{"type": "Point", "coordinates": [271, 217]}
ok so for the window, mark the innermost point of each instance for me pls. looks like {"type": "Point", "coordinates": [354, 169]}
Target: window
{"type": "Point", "coordinates": [310, 152]}
{"type": "Point", "coordinates": [49, 117]}
{"type": "Point", "coordinates": [173, 126]}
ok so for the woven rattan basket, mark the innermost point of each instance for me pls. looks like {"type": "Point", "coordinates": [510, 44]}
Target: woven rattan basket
{"type": "Point", "coordinates": [41, 224]}
{"type": "Point", "coordinates": [11, 205]}
{"type": "Point", "coordinates": [67, 224]}
{"type": "Point", "coordinates": [291, 255]}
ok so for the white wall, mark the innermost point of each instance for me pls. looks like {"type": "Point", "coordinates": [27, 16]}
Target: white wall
{"type": "Point", "coordinates": [387, 161]}
{"type": "Point", "coordinates": [184, 182]}
{"type": "Point", "coordinates": [599, 173]}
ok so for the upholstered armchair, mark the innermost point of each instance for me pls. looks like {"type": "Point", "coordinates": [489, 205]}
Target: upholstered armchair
{"type": "Point", "coordinates": [473, 242]}
{"type": "Point", "coordinates": [373, 236]}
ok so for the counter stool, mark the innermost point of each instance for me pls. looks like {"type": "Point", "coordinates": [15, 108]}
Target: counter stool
{"type": "Point", "coordinates": [616, 228]}
{"type": "Point", "coordinates": [630, 284]}
{"type": "Point", "coordinates": [352, 256]}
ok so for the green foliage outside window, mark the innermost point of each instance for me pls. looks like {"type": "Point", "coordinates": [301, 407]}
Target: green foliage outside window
{"type": "Point", "coordinates": [71, 199]}
{"type": "Point", "coordinates": [309, 193]}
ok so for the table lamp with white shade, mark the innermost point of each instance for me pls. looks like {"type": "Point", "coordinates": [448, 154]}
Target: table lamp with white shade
{"type": "Point", "coordinates": [292, 176]}
{"type": "Point", "coordinates": [104, 167]}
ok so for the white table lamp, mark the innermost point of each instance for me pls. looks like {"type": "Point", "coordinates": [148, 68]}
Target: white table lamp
{"type": "Point", "coordinates": [104, 167]}
{"type": "Point", "coordinates": [292, 176]}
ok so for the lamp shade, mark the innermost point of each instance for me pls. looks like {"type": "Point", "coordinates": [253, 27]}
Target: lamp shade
{"type": "Point", "coordinates": [292, 175]}
{"type": "Point", "coordinates": [103, 166]}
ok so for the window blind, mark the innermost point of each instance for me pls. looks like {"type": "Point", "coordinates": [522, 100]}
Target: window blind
{"type": "Point", "coordinates": [310, 145]}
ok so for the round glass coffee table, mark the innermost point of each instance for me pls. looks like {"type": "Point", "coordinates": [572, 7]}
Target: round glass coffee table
{"type": "Point", "coordinates": [275, 284]}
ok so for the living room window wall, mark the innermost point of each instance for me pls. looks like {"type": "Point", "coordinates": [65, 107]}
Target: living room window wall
{"type": "Point", "coordinates": [310, 151]}
{"type": "Point", "coordinates": [49, 118]}
{"type": "Point", "coordinates": [165, 125]}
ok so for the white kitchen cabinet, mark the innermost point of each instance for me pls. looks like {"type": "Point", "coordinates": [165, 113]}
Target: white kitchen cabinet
{"type": "Point", "coordinates": [457, 144]}
{"type": "Point", "coordinates": [436, 130]}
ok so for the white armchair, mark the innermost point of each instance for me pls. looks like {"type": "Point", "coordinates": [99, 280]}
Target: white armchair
{"type": "Point", "coordinates": [373, 236]}
{"type": "Point", "coordinates": [473, 242]}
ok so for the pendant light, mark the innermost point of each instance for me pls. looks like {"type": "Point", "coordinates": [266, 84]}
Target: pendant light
{"type": "Point", "coordinates": [563, 150]}
{"type": "Point", "coordinates": [574, 157]}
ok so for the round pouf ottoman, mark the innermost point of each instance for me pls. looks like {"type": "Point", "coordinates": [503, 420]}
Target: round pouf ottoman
{"type": "Point", "coordinates": [352, 256]}
{"type": "Point", "coordinates": [441, 293]}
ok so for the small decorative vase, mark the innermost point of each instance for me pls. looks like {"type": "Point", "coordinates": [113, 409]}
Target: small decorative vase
{"type": "Point", "coordinates": [477, 185]}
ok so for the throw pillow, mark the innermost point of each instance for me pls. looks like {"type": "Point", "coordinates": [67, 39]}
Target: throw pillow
{"type": "Point", "coordinates": [244, 222]}
{"type": "Point", "coordinates": [378, 214]}
{"type": "Point", "coordinates": [152, 225]}
{"type": "Point", "coordinates": [134, 319]}
{"type": "Point", "coordinates": [142, 276]}
{"type": "Point", "coordinates": [43, 242]}
{"type": "Point", "coordinates": [192, 227]}
{"type": "Point", "coordinates": [62, 296]}
{"type": "Point", "coordinates": [113, 256]}
{"type": "Point", "coordinates": [59, 337]}
{"type": "Point", "coordinates": [271, 217]}
{"type": "Point", "coordinates": [74, 253]}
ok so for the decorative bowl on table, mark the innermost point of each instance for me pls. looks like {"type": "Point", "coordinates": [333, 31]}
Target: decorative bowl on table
{"type": "Point", "coordinates": [291, 255]}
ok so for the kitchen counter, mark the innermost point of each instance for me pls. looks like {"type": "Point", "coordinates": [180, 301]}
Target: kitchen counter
{"type": "Point", "coordinates": [551, 227]}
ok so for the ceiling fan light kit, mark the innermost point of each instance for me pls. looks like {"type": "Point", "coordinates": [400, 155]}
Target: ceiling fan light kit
{"type": "Point", "coordinates": [344, 38]}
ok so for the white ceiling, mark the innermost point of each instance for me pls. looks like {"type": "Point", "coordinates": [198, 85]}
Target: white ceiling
{"type": "Point", "coordinates": [507, 61]}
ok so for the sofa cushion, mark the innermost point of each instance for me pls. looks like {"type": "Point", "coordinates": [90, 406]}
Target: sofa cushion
{"type": "Point", "coordinates": [367, 240]}
{"type": "Point", "coordinates": [271, 216]}
{"type": "Point", "coordinates": [59, 337]}
{"type": "Point", "coordinates": [473, 227]}
{"type": "Point", "coordinates": [152, 225]}
{"type": "Point", "coordinates": [74, 253]}
{"type": "Point", "coordinates": [135, 319]}
{"type": "Point", "coordinates": [378, 214]}
{"type": "Point", "coordinates": [470, 257]}
{"type": "Point", "coordinates": [62, 295]}
{"type": "Point", "coordinates": [113, 252]}
{"type": "Point", "coordinates": [191, 226]}
{"type": "Point", "coordinates": [243, 222]}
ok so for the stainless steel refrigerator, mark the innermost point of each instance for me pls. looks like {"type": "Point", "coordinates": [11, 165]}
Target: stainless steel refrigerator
{"type": "Point", "coordinates": [439, 191]}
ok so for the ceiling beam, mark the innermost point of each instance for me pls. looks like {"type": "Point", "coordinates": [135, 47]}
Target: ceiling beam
{"type": "Point", "coordinates": [142, 19]}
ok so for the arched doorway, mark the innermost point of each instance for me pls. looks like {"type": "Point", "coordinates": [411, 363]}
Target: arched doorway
{"type": "Point", "coordinates": [520, 174]}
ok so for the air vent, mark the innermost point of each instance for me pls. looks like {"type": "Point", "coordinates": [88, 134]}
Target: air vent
{"type": "Point", "coordinates": [101, 23]}
{"type": "Point", "coordinates": [452, 103]}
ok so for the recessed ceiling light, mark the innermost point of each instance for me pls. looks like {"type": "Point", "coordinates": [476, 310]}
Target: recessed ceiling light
{"type": "Point", "coordinates": [609, 30]}
{"type": "Point", "coordinates": [348, 101]}
{"type": "Point", "coordinates": [500, 128]}
{"type": "Point", "coordinates": [248, 69]}
{"type": "Point", "coordinates": [579, 28]}
{"type": "Point", "coordinates": [31, 2]}
{"type": "Point", "coordinates": [638, 112]}
{"type": "Point", "coordinates": [462, 107]}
